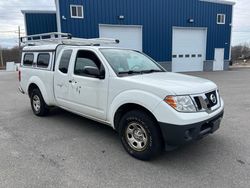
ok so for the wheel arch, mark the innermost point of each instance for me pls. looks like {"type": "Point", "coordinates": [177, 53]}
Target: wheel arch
{"type": "Point", "coordinates": [36, 83]}
{"type": "Point", "coordinates": [129, 107]}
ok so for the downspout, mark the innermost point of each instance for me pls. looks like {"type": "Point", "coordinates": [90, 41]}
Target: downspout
{"type": "Point", "coordinates": [58, 16]}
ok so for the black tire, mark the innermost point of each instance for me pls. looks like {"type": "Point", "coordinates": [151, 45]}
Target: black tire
{"type": "Point", "coordinates": [149, 129]}
{"type": "Point", "coordinates": [43, 109]}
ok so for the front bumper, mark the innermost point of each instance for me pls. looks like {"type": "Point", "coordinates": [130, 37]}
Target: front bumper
{"type": "Point", "coordinates": [175, 135]}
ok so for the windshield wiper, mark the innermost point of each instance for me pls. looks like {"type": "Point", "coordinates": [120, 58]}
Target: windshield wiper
{"type": "Point", "coordinates": [140, 72]}
{"type": "Point", "coordinates": [130, 72]}
{"type": "Point", "coordinates": [151, 71]}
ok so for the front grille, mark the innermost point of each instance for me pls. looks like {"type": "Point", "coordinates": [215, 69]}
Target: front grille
{"type": "Point", "coordinates": [212, 99]}
{"type": "Point", "coordinates": [198, 103]}
{"type": "Point", "coordinates": [207, 101]}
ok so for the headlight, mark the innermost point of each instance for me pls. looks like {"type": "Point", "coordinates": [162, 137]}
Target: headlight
{"type": "Point", "coordinates": [181, 103]}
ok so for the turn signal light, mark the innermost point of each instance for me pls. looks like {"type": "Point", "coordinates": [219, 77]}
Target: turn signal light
{"type": "Point", "coordinates": [170, 100]}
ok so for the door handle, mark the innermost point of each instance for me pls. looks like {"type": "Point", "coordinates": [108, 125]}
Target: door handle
{"type": "Point", "coordinates": [59, 85]}
{"type": "Point", "coordinates": [72, 81]}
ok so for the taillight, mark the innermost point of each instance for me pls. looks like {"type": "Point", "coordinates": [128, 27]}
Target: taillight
{"type": "Point", "coordinates": [19, 76]}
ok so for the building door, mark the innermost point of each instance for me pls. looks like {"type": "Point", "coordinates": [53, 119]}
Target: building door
{"type": "Point", "coordinates": [219, 59]}
{"type": "Point", "coordinates": [129, 36]}
{"type": "Point", "coordinates": [189, 49]}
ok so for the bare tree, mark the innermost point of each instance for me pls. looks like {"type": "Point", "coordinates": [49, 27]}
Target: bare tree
{"type": "Point", "coordinates": [241, 52]}
{"type": "Point", "coordinates": [13, 54]}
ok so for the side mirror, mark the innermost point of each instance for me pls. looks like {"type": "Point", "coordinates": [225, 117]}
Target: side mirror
{"type": "Point", "coordinates": [93, 71]}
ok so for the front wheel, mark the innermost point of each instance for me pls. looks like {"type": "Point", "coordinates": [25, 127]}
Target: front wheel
{"type": "Point", "coordinates": [38, 105]}
{"type": "Point", "coordinates": [140, 135]}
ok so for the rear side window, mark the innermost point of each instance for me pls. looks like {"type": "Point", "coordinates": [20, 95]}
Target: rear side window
{"type": "Point", "coordinates": [28, 59]}
{"type": "Point", "coordinates": [64, 62]}
{"type": "Point", "coordinates": [43, 60]}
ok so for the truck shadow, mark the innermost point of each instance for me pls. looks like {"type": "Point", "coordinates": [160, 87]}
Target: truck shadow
{"type": "Point", "coordinates": [190, 155]}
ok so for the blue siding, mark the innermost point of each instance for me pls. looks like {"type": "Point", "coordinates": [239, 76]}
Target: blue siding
{"type": "Point", "coordinates": [37, 23]}
{"type": "Point", "coordinates": [157, 17]}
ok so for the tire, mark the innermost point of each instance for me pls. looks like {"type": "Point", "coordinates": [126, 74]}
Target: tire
{"type": "Point", "coordinates": [140, 135]}
{"type": "Point", "coordinates": [38, 105]}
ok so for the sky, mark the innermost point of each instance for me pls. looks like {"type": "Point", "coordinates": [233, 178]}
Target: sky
{"type": "Point", "coordinates": [11, 17]}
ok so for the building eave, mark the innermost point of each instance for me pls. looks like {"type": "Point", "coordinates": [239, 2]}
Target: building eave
{"type": "Point", "coordinates": [38, 11]}
{"type": "Point", "coordinates": [220, 2]}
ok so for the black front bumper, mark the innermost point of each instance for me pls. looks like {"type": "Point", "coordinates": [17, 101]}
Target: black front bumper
{"type": "Point", "coordinates": [175, 135]}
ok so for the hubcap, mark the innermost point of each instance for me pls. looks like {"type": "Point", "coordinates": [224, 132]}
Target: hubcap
{"type": "Point", "coordinates": [136, 136]}
{"type": "Point", "coordinates": [36, 103]}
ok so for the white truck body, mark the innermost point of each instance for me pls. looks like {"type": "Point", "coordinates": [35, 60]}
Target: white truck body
{"type": "Point", "coordinates": [101, 99]}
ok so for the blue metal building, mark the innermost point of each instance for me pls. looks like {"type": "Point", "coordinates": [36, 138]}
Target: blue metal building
{"type": "Point", "coordinates": [183, 35]}
{"type": "Point", "coordinates": [37, 22]}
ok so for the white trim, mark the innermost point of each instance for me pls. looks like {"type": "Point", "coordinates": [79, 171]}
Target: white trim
{"type": "Point", "coordinates": [77, 6]}
{"type": "Point", "coordinates": [220, 2]}
{"type": "Point", "coordinates": [25, 24]}
{"type": "Point", "coordinates": [58, 16]}
{"type": "Point", "coordinates": [230, 43]}
{"type": "Point", "coordinates": [119, 25]}
{"type": "Point", "coordinates": [224, 21]}
{"type": "Point", "coordinates": [38, 11]}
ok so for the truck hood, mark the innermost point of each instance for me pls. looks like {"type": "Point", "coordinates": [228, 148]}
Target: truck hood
{"type": "Point", "coordinates": [178, 84]}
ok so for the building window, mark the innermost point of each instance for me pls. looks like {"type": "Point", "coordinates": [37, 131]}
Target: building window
{"type": "Point", "coordinates": [221, 18]}
{"type": "Point", "coordinates": [76, 11]}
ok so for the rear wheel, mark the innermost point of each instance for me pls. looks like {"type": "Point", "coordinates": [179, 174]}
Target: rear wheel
{"type": "Point", "coordinates": [38, 105]}
{"type": "Point", "coordinates": [140, 135]}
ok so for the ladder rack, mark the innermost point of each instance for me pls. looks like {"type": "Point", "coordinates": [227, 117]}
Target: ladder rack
{"type": "Point", "coordinates": [64, 38]}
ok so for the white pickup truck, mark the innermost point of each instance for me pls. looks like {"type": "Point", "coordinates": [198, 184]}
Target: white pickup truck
{"type": "Point", "coordinates": [150, 108]}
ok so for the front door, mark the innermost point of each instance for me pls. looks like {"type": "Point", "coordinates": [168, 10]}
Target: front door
{"type": "Point", "coordinates": [219, 59]}
{"type": "Point", "coordinates": [88, 94]}
{"type": "Point", "coordinates": [61, 79]}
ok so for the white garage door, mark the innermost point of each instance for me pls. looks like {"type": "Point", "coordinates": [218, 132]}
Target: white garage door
{"type": "Point", "coordinates": [129, 36]}
{"type": "Point", "coordinates": [189, 49]}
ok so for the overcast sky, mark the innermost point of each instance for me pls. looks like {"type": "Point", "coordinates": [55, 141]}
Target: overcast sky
{"type": "Point", "coordinates": [11, 17]}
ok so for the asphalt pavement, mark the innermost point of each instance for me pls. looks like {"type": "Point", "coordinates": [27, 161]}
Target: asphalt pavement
{"type": "Point", "coordinates": [66, 150]}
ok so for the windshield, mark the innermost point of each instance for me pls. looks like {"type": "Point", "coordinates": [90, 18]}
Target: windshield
{"type": "Point", "coordinates": [129, 62]}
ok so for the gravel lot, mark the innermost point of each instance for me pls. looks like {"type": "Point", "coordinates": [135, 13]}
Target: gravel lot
{"type": "Point", "coordinates": [65, 150]}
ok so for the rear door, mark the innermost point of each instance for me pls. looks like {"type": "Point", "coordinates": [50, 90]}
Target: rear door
{"type": "Point", "coordinates": [88, 94]}
{"type": "Point", "coordinates": [61, 78]}
{"type": "Point", "coordinates": [218, 59]}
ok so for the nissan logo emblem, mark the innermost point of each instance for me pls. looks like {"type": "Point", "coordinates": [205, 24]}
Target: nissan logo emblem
{"type": "Point", "coordinates": [213, 98]}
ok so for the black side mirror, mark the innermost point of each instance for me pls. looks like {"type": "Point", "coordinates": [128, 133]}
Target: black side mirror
{"type": "Point", "coordinates": [93, 71]}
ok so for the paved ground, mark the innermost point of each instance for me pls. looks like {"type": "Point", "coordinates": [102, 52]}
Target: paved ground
{"type": "Point", "coordinates": [65, 150]}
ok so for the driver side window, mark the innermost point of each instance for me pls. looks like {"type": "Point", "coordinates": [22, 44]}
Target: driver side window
{"type": "Point", "coordinates": [85, 59]}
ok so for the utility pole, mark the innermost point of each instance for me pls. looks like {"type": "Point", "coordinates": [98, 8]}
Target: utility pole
{"type": "Point", "coordinates": [19, 37]}
{"type": "Point", "coordinates": [1, 56]}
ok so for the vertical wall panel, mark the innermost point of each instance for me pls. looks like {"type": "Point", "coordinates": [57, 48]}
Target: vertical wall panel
{"type": "Point", "coordinates": [37, 23]}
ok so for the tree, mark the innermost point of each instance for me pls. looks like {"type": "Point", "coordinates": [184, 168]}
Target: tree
{"type": "Point", "coordinates": [241, 52]}
{"type": "Point", "coordinates": [13, 54]}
